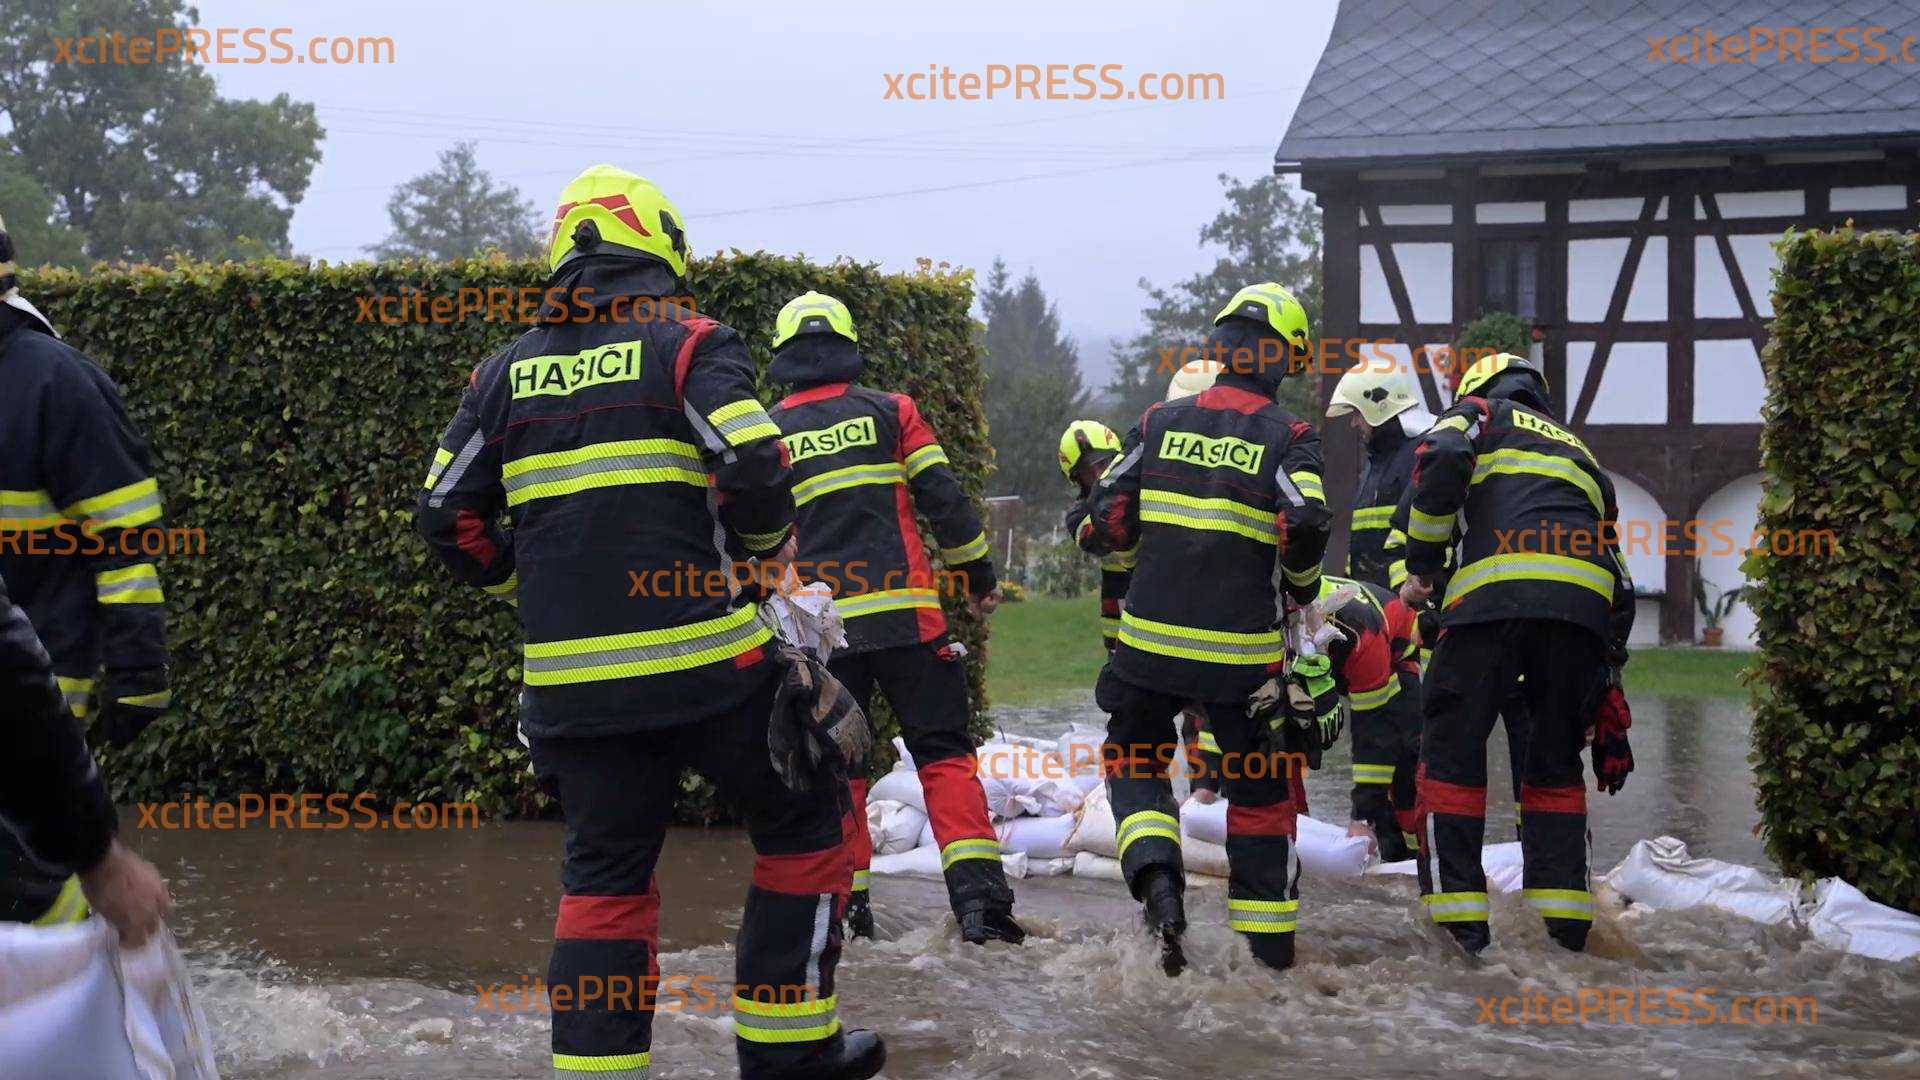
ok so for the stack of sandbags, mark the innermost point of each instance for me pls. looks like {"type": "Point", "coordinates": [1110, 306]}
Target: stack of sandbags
{"type": "Point", "coordinates": [1031, 791]}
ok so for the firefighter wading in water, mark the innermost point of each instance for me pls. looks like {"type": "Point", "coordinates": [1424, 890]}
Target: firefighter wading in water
{"type": "Point", "coordinates": [1215, 489]}
{"type": "Point", "coordinates": [1541, 595]}
{"type": "Point", "coordinates": [863, 459]}
{"type": "Point", "coordinates": [624, 442]}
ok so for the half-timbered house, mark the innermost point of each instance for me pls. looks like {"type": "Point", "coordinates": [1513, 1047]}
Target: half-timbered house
{"type": "Point", "coordinates": [1560, 161]}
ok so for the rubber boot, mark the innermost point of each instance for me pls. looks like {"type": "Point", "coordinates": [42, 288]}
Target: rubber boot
{"type": "Point", "coordinates": [982, 921]}
{"type": "Point", "coordinates": [860, 916]}
{"type": "Point", "coordinates": [852, 1054]}
{"type": "Point", "coordinates": [1166, 916]}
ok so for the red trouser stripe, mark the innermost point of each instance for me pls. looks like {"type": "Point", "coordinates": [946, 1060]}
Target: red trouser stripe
{"type": "Point", "coordinates": [1297, 784]}
{"type": "Point", "coordinates": [859, 838]}
{"type": "Point", "coordinates": [1276, 820]}
{"type": "Point", "coordinates": [610, 918]}
{"type": "Point", "coordinates": [1553, 800]}
{"type": "Point", "coordinates": [810, 874]}
{"type": "Point", "coordinates": [956, 803]}
{"type": "Point", "coordinates": [1440, 797]}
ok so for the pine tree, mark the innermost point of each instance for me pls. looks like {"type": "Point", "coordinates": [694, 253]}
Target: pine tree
{"type": "Point", "coordinates": [1271, 232]}
{"type": "Point", "coordinates": [1033, 387]}
{"type": "Point", "coordinates": [458, 210]}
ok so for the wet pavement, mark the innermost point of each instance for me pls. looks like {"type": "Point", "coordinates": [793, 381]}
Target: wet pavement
{"type": "Point", "coordinates": [379, 954]}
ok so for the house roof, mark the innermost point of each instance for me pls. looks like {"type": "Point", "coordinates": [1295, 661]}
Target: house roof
{"type": "Point", "coordinates": [1427, 80]}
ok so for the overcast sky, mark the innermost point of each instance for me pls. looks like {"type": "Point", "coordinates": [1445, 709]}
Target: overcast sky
{"type": "Point", "coordinates": [768, 126]}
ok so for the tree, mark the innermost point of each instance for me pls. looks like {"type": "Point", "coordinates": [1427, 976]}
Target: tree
{"type": "Point", "coordinates": [144, 159]}
{"type": "Point", "coordinates": [1033, 386]}
{"type": "Point", "coordinates": [38, 237]}
{"type": "Point", "coordinates": [1271, 232]}
{"type": "Point", "coordinates": [456, 211]}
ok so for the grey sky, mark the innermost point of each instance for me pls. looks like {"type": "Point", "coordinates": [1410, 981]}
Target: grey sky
{"type": "Point", "coordinates": [740, 111]}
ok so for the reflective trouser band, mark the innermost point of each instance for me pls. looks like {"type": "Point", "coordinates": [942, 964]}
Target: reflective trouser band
{"type": "Point", "coordinates": [1529, 567]}
{"type": "Point", "coordinates": [68, 907]}
{"type": "Point", "coordinates": [860, 880]}
{"type": "Point", "coordinates": [1196, 643]}
{"type": "Point", "coordinates": [136, 584]}
{"type": "Point", "coordinates": [1429, 528]}
{"type": "Point", "coordinates": [599, 465]}
{"type": "Point", "coordinates": [1372, 774]}
{"type": "Point", "coordinates": [646, 652]}
{"type": "Point", "coordinates": [1456, 906]}
{"type": "Point", "coordinates": [621, 1065]}
{"type": "Point", "coordinates": [975, 548]}
{"type": "Point", "coordinates": [801, 1021]}
{"type": "Point", "coordinates": [961, 850]}
{"type": "Point", "coordinates": [924, 458]}
{"type": "Point", "coordinates": [1208, 514]}
{"type": "Point", "coordinates": [442, 457]}
{"type": "Point", "coordinates": [1208, 743]}
{"type": "Point", "coordinates": [888, 472]}
{"type": "Point", "coordinates": [1146, 823]}
{"type": "Point", "coordinates": [78, 692]}
{"type": "Point", "coordinates": [1412, 841]}
{"type": "Point", "coordinates": [873, 603]}
{"type": "Point", "coordinates": [1560, 903]}
{"type": "Point", "coordinates": [1377, 697]}
{"type": "Point", "coordinates": [742, 422]}
{"type": "Point", "coordinates": [122, 508]}
{"type": "Point", "coordinates": [1262, 916]}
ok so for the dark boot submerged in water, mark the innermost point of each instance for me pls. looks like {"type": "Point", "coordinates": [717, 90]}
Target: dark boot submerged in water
{"type": "Point", "coordinates": [982, 922]}
{"type": "Point", "coordinates": [1166, 915]}
{"type": "Point", "coordinates": [854, 1054]}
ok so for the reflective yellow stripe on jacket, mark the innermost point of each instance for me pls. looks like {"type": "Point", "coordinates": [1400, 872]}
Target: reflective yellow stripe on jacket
{"type": "Point", "coordinates": [742, 422]}
{"type": "Point", "coordinates": [598, 465]}
{"type": "Point", "coordinates": [873, 603]}
{"type": "Point", "coordinates": [122, 508]}
{"type": "Point", "coordinates": [924, 458]}
{"type": "Point", "coordinates": [1527, 462]}
{"type": "Point", "coordinates": [1195, 643]}
{"type": "Point", "coordinates": [1214, 514]}
{"type": "Point", "coordinates": [1372, 517]}
{"type": "Point", "coordinates": [136, 584]}
{"type": "Point", "coordinates": [885, 472]}
{"type": "Point", "coordinates": [644, 652]}
{"type": "Point", "coordinates": [1525, 566]}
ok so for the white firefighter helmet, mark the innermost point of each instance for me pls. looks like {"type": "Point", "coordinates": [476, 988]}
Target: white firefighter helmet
{"type": "Point", "coordinates": [1377, 392]}
{"type": "Point", "coordinates": [1193, 377]}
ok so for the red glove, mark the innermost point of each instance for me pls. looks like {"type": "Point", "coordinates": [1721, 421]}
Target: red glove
{"type": "Point", "coordinates": [1612, 754]}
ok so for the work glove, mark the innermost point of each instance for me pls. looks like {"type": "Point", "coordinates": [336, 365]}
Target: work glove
{"type": "Point", "coordinates": [1313, 701]}
{"type": "Point", "coordinates": [1612, 753]}
{"type": "Point", "coordinates": [130, 701]}
{"type": "Point", "coordinates": [1076, 513]}
{"type": "Point", "coordinates": [817, 734]}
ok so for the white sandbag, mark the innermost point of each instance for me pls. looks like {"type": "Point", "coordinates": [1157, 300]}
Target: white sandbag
{"type": "Point", "coordinates": [900, 750]}
{"type": "Point", "coordinates": [923, 861]}
{"type": "Point", "coordinates": [1034, 741]}
{"type": "Point", "coordinates": [1204, 821]}
{"type": "Point", "coordinates": [894, 826]}
{"type": "Point", "coordinates": [804, 615]}
{"type": "Point", "coordinates": [1500, 862]}
{"type": "Point", "coordinates": [1662, 875]}
{"type": "Point", "coordinates": [1841, 917]}
{"type": "Point", "coordinates": [1086, 864]}
{"type": "Point", "coordinates": [926, 836]}
{"type": "Point", "coordinates": [1327, 851]}
{"type": "Point", "coordinates": [1015, 864]}
{"type": "Point", "coordinates": [1024, 781]}
{"type": "Point", "coordinates": [1079, 748]}
{"type": "Point", "coordinates": [1049, 867]}
{"type": "Point", "coordinates": [1202, 856]}
{"type": "Point", "coordinates": [1093, 827]}
{"type": "Point", "coordinates": [73, 1003]}
{"type": "Point", "coordinates": [1036, 837]}
{"type": "Point", "coordinates": [902, 785]}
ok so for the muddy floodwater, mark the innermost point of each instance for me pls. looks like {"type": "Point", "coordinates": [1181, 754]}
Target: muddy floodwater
{"type": "Point", "coordinates": [384, 955]}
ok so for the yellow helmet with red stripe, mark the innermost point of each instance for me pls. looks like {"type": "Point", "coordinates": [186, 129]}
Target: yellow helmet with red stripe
{"type": "Point", "coordinates": [610, 211]}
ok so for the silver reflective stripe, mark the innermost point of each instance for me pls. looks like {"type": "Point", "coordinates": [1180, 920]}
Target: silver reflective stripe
{"type": "Point", "coordinates": [708, 436]}
{"type": "Point", "coordinates": [456, 469]}
{"type": "Point", "coordinates": [1288, 488]}
{"type": "Point", "coordinates": [822, 919]}
{"type": "Point", "coordinates": [1121, 466]}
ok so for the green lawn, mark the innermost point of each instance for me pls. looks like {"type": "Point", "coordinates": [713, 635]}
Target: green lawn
{"type": "Point", "coordinates": [1049, 647]}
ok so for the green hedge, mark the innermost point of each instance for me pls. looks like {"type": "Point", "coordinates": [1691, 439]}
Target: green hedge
{"type": "Point", "coordinates": [318, 646]}
{"type": "Point", "coordinates": [1836, 732]}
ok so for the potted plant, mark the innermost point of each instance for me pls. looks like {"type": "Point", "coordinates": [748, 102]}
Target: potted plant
{"type": "Point", "coordinates": [1711, 613]}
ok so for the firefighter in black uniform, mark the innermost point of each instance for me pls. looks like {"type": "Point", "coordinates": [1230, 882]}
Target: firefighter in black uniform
{"type": "Point", "coordinates": [1540, 594]}
{"type": "Point", "coordinates": [863, 461]}
{"type": "Point", "coordinates": [1214, 489]}
{"type": "Point", "coordinates": [1385, 405]}
{"type": "Point", "coordinates": [1087, 447]}
{"type": "Point", "coordinates": [79, 510]}
{"type": "Point", "coordinates": [52, 797]}
{"type": "Point", "coordinates": [622, 441]}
